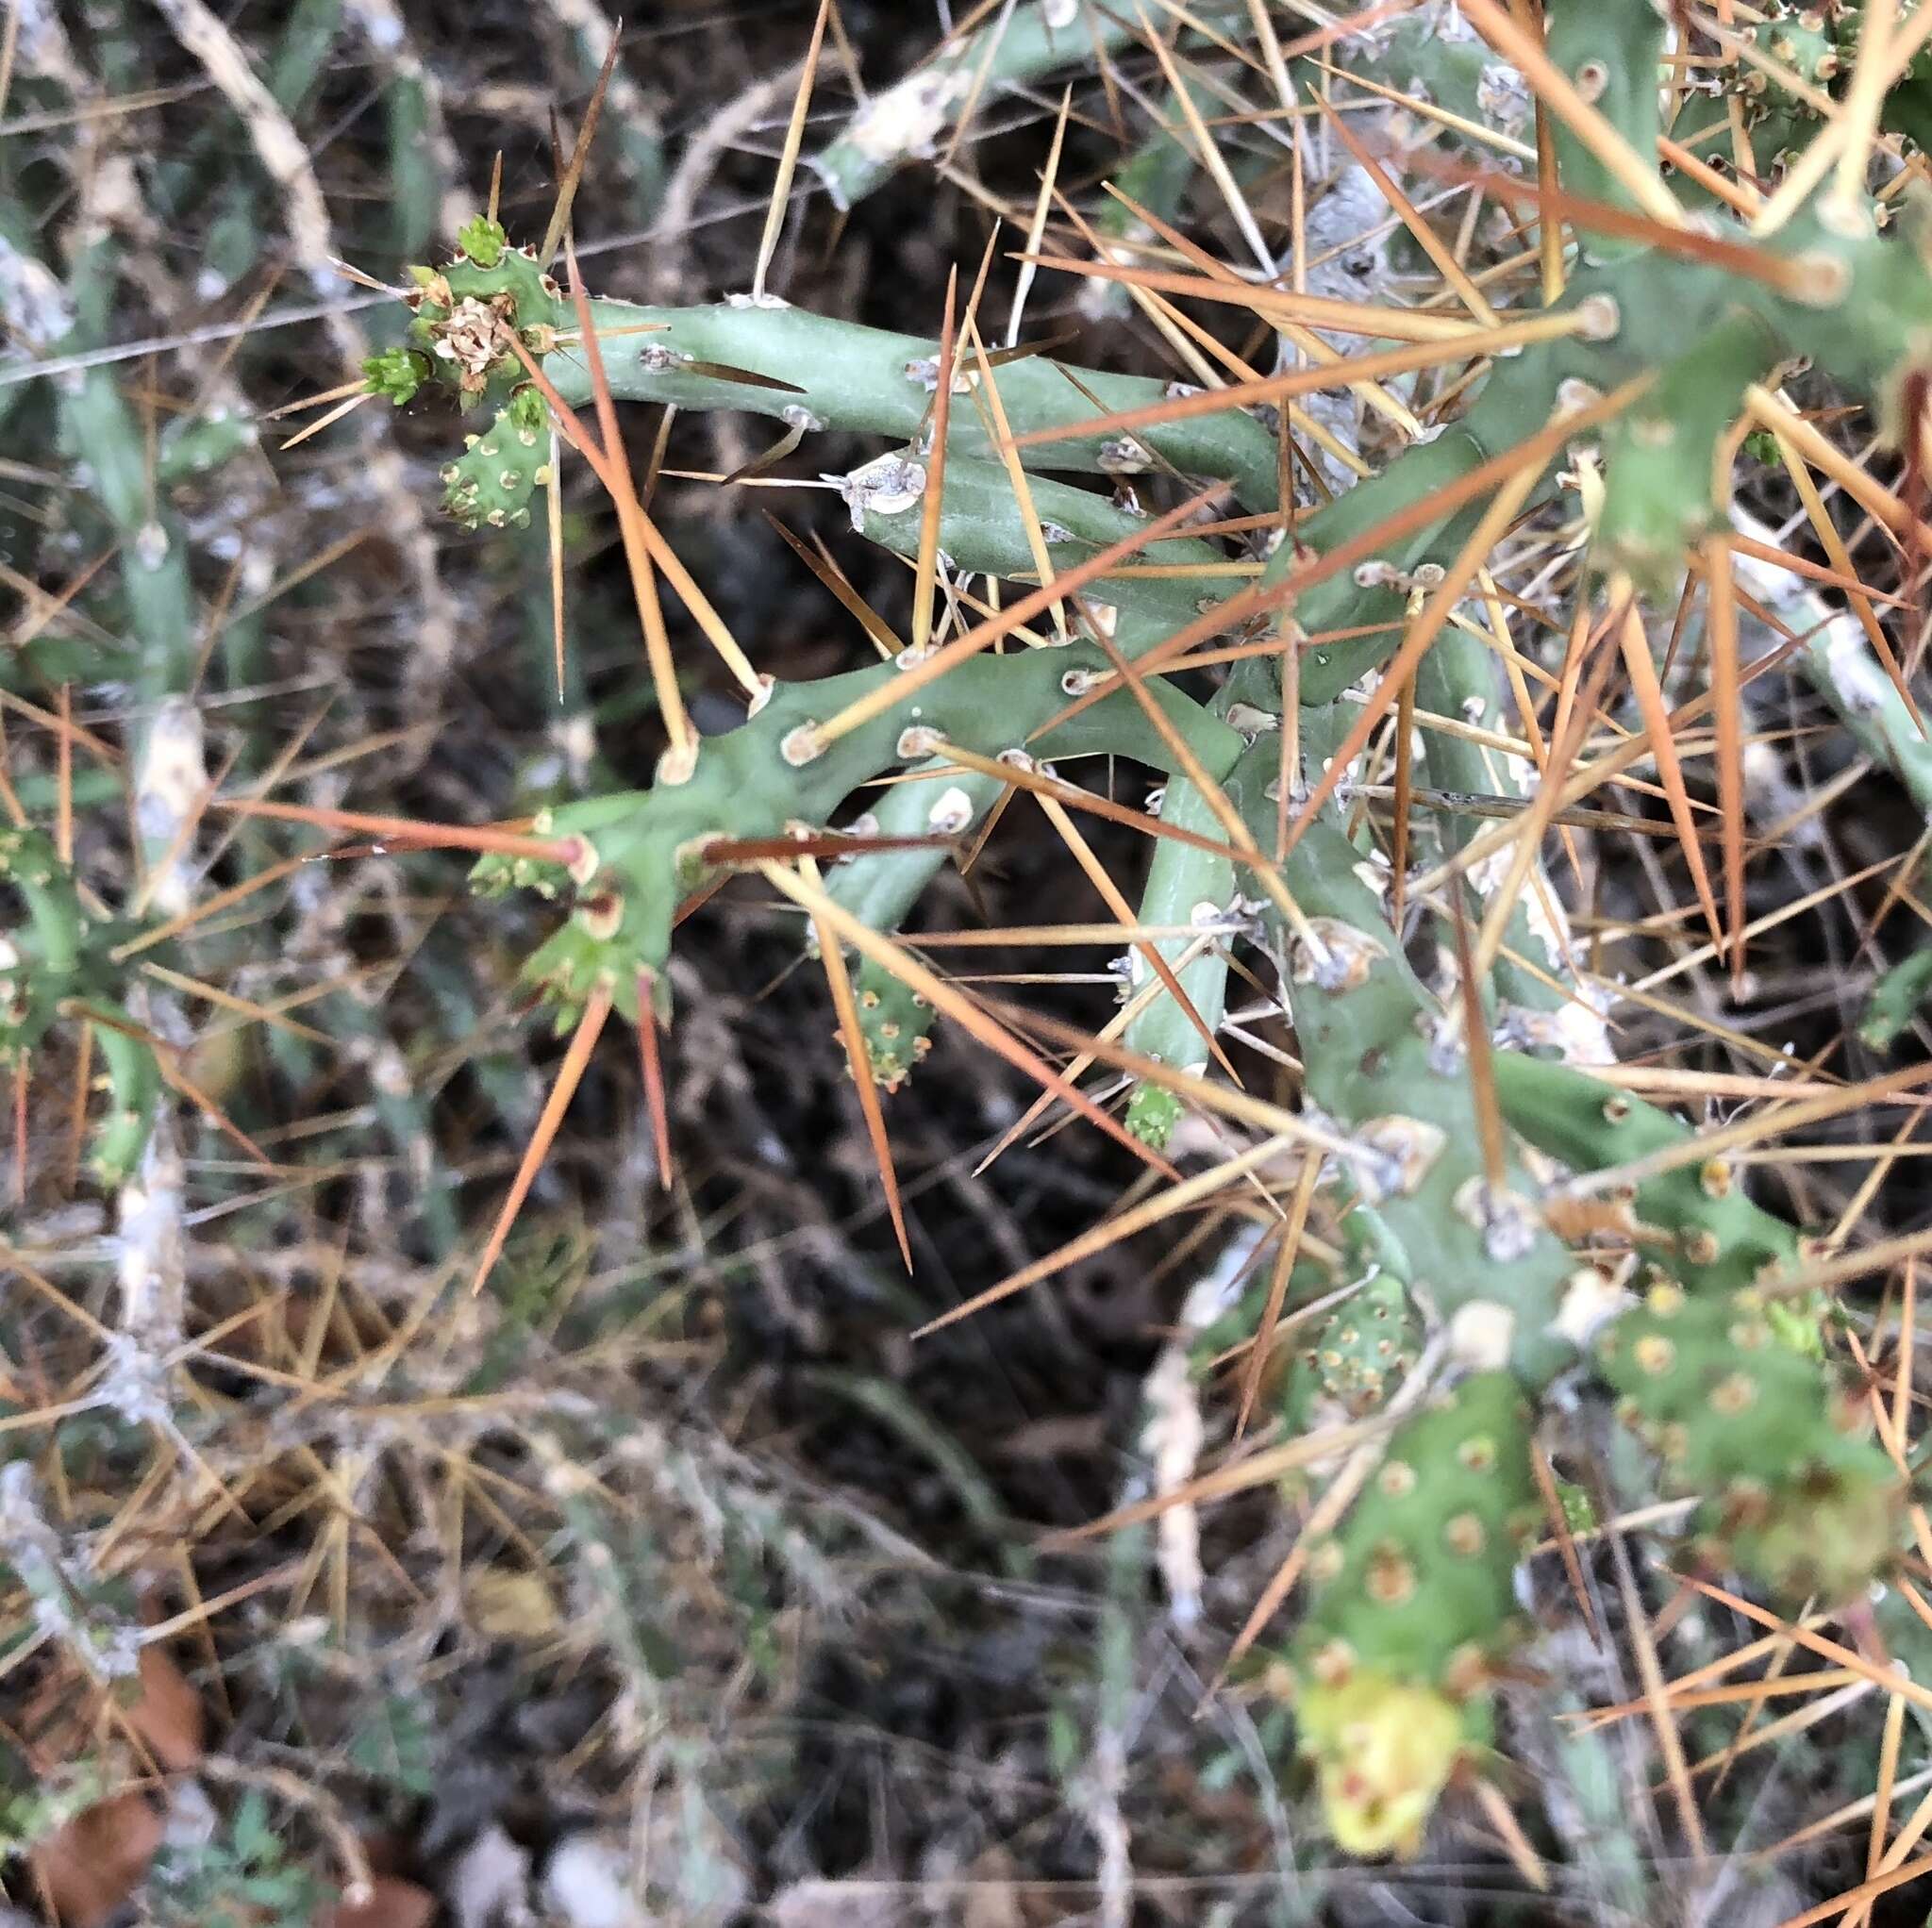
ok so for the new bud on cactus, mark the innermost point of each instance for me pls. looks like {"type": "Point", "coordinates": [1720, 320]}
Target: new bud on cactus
{"type": "Point", "coordinates": [397, 373]}
{"type": "Point", "coordinates": [1355, 1359]}
{"type": "Point", "coordinates": [1153, 1112]}
{"type": "Point", "coordinates": [1795, 1495]}
{"type": "Point", "coordinates": [896, 1021]}
{"type": "Point", "coordinates": [483, 241]}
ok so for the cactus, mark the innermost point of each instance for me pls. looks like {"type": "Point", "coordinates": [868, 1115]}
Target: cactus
{"type": "Point", "coordinates": [906, 122]}
{"type": "Point", "coordinates": [1791, 1489]}
{"type": "Point", "coordinates": [1446, 1140]}
{"type": "Point", "coordinates": [1410, 1609]}
{"type": "Point", "coordinates": [879, 888]}
{"type": "Point", "coordinates": [798, 368]}
{"type": "Point", "coordinates": [1356, 1359]}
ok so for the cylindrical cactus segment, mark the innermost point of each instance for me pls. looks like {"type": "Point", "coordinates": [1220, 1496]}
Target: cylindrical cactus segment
{"type": "Point", "coordinates": [492, 482]}
{"type": "Point", "coordinates": [45, 958]}
{"type": "Point", "coordinates": [880, 887]}
{"type": "Point", "coordinates": [1662, 493]}
{"type": "Point", "coordinates": [808, 371]}
{"type": "Point", "coordinates": [895, 1021]}
{"type": "Point", "coordinates": [1186, 885]}
{"type": "Point", "coordinates": [1411, 1604]}
{"type": "Point", "coordinates": [1795, 1495]}
{"type": "Point", "coordinates": [1014, 48]}
{"type": "Point", "coordinates": [134, 1098]}
{"type": "Point", "coordinates": [645, 851]}
{"type": "Point", "coordinates": [1611, 54]}
{"type": "Point", "coordinates": [1696, 1220]}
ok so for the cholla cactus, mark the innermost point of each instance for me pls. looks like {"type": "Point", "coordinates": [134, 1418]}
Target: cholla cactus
{"type": "Point", "coordinates": [1473, 1154]}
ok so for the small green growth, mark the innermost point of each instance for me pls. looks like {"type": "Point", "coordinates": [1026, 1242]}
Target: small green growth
{"type": "Point", "coordinates": [33, 1808]}
{"type": "Point", "coordinates": [1356, 1357]}
{"type": "Point", "coordinates": [246, 1876]}
{"type": "Point", "coordinates": [528, 413]}
{"type": "Point", "coordinates": [483, 241]}
{"type": "Point", "coordinates": [896, 1021]}
{"type": "Point", "coordinates": [394, 1743]}
{"type": "Point", "coordinates": [397, 373]}
{"type": "Point", "coordinates": [199, 444]}
{"type": "Point", "coordinates": [1894, 1001]}
{"type": "Point", "coordinates": [1153, 1112]}
{"type": "Point", "coordinates": [1579, 1509]}
{"type": "Point", "coordinates": [58, 963]}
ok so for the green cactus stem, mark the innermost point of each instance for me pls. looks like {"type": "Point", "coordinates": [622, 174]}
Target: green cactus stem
{"type": "Point", "coordinates": [982, 532]}
{"type": "Point", "coordinates": [1537, 998]}
{"type": "Point", "coordinates": [1696, 1218]}
{"type": "Point", "coordinates": [1858, 305]}
{"type": "Point", "coordinates": [1380, 1057]}
{"type": "Point", "coordinates": [880, 887]}
{"type": "Point", "coordinates": [1893, 1002]}
{"type": "Point", "coordinates": [908, 120]}
{"type": "Point", "coordinates": [103, 433]}
{"type": "Point", "coordinates": [415, 166]}
{"type": "Point", "coordinates": [1792, 1489]}
{"type": "Point", "coordinates": [1411, 1608]}
{"type": "Point", "coordinates": [492, 482]}
{"type": "Point", "coordinates": [134, 1099]}
{"type": "Point", "coordinates": [805, 369]}
{"type": "Point", "coordinates": [633, 124]}
{"type": "Point", "coordinates": [196, 445]}
{"type": "Point", "coordinates": [1867, 322]}
{"type": "Point", "coordinates": [1185, 885]}
{"type": "Point", "coordinates": [1649, 515]}
{"type": "Point", "coordinates": [644, 850]}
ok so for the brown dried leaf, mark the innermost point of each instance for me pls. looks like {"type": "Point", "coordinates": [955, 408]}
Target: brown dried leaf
{"type": "Point", "coordinates": [168, 1717]}
{"type": "Point", "coordinates": [88, 1868]}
